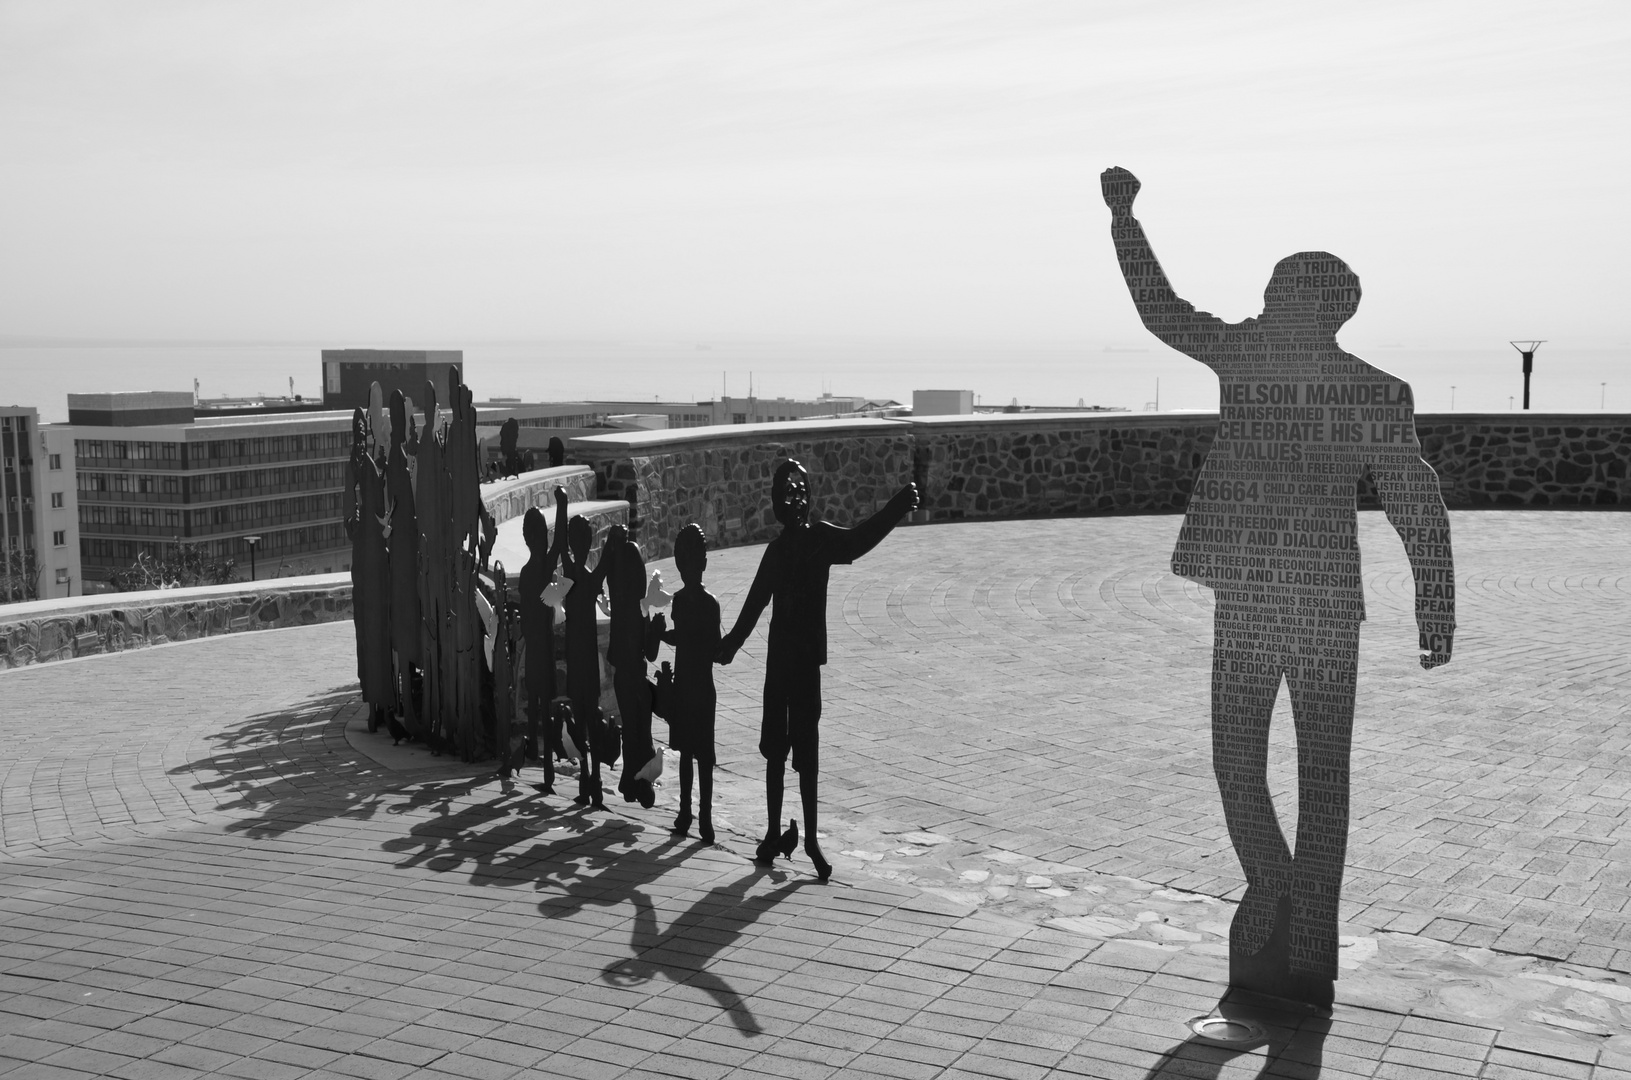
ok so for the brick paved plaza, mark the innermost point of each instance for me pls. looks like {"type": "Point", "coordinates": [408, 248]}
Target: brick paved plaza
{"type": "Point", "coordinates": [203, 872]}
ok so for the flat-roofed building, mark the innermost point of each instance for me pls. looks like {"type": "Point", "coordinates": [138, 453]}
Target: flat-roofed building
{"type": "Point", "coordinates": [213, 480]}
{"type": "Point", "coordinates": [348, 374]}
{"type": "Point", "coordinates": [39, 529]}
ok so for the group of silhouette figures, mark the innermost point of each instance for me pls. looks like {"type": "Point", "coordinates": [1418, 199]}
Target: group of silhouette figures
{"type": "Point", "coordinates": [1271, 530]}
{"type": "Point", "coordinates": [453, 653]}
{"type": "Point", "coordinates": [419, 539]}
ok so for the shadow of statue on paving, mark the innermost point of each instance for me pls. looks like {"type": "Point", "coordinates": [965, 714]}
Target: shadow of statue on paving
{"type": "Point", "coordinates": [694, 938]}
{"type": "Point", "coordinates": [283, 766]}
{"type": "Point", "coordinates": [1293, 1045]}
{"type": "Point", "coordinates": [501, 839]}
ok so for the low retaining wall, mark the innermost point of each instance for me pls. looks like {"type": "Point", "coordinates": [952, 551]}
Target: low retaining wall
{"type": "Point", "coordinates": [506, 499]}
{"type": "Point", "coordinates": [46, 630]}
{"type": "Point", "coordinates": [60, 629]}
{"type": "Point", "coordinates": [1062, 463]}
{"type": "Point", "coordinates": [1026, 465]}
{"type": "Point", "coordinates": [968, 467]}
{"type": "Point", "coordinates": [1535, 459]}
{"type": "Point", "coordinates": [720, 477]}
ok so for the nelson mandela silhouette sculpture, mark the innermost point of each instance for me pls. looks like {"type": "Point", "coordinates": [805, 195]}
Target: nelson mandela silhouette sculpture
{"type": "Point", "coordinates": [1271, 528]}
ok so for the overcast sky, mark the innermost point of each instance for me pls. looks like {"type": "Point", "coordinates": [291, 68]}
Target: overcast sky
{"type": "Point", "coordinates": [462, 171]}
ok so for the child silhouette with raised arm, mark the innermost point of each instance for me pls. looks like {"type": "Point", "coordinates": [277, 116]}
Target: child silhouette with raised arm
{"type": "Point", "coordinates": [695, 637]}
{"type": "Point", "coordinates": [634, 642]}
{"type": "Point", "coordinates": [582, 649]}
{"type": "Point", "coordinates": [538, 630]}
{"type": "Point", "coordinates": [794, 573]}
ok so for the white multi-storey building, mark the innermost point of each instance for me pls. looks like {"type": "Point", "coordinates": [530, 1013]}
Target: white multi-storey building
{"type": "Point", "coordinates": [39, 519]}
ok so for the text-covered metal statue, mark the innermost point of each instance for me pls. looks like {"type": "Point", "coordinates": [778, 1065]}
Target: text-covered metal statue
{"type": "Point", "coordinates": [1272, 529]}
{"type": "Point", "coordinates": [793, 572]}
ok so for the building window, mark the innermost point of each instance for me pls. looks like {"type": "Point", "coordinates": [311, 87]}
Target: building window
{"type": "Point", "coordinates": [56, 500]}
{"type": "Point", "coordinates": [60, 538]}
{"type": "Point", "coordinates": [62, 575]}
{"type": "Point", "coordinates": [56, 461]}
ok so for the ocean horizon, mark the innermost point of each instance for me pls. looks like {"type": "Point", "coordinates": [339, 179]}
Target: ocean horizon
{"type": "Point", "coordinates": [1486, 378]}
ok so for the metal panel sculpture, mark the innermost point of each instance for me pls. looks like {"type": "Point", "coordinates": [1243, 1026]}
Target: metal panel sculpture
{"type": "Point", "coordinates": [1272, 529]}
{"type": "Point", "coordinates": [363, 509]}
{"type": "Point", "coordinates": [793, 572]}
{"type": "Point", "coordinates": [689, 697]}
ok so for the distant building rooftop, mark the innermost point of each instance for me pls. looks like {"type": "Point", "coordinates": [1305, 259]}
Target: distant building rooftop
{"type": "Point", "coordinates": [131, 408]}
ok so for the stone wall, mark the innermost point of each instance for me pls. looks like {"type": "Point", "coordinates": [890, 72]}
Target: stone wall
{"type": "Point", "coordinates": [720, 477]}
{"type": "Point", "coordinates": [1534, 459]}
{"type": "Point", "coordinates": [506, 499]}
{"type": "Point", "coordinates": [47, 630]}
{"type": "Point", "coordinates": [1021, 465]}
{"type": "Point", "coordinates": [112, 622]}
{"type": "Point", "coordinates": [1064, 463]}
{"type": "Point", "coordinates": [979, 467]}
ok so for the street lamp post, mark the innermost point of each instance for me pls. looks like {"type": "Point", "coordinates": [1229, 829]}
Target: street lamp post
{"type": "Point", "coordinates": [252, 541]}
{"type": "Point", "coordinates": [1527, 349]}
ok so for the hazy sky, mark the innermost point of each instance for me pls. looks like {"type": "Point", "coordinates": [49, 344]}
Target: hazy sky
{"type": "Point", "coordinates": [358, 172]}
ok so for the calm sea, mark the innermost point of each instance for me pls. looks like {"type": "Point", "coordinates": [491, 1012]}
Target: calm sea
{"type": "Point", "coordinates": [1487, 378]}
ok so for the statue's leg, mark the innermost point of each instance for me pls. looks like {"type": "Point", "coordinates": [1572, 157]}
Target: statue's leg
{"type": "Point", "coordinates": [803, 722]}
{"type": "Point", "coordinates": [1322, 699]}
{"type": "Point", "coordinates": [540, 723]}
{"type": "Point", "coordinates": [774, 779]}
{"type": "Point", "coordinates": [705, 801]}
{"type": "Point", "coordinates": [682, 820]}
{"type": "Point", "coordinates": [773, 748]}
{"type": "Point", "coordinates": [1245, 680]}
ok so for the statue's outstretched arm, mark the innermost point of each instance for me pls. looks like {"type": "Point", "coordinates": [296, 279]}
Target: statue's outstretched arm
{"type": "Point", "coordinates": [870, 533]}
{"type": "Point", "coordinates": [1170, 318]}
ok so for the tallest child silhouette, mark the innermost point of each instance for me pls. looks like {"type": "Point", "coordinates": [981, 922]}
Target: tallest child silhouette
{"type": "Point", "coordinates": [793, 573]}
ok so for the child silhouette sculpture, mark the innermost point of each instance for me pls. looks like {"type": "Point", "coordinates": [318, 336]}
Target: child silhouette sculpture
{"type": "Point", "coordinates": [538, 630]}
{"type": "Point", "coordinates": [582, 650]}
{"type": "Point", "coordinates": [794, 573]}
{"type": "Point", "coordinates": [695, 637]}
{"type": "Point", "coordinates": [634, 641]}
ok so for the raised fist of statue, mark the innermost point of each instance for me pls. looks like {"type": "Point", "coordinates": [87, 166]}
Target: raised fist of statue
{"type": "Point", "coordinates": [909, 495]}
{"type": "Point", "coordinates": [1120, 188]}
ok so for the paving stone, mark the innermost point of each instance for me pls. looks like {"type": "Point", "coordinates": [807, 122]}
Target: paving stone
{"type": "Point", "coordinates": [202, 848]}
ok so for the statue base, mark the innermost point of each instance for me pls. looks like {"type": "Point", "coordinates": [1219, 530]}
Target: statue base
{"type": "Point", "coordinates": [1268, 970]}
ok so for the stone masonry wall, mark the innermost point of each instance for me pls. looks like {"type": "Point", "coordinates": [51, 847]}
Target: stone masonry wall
{"type": "Point", "coordinates": [81, 626]}
{"type": "Point", "coordinates": [1542, 459]}
{"type": "Point", "coordinates": [722, 482]}
{"type": "Point", "coordinates": [1000, 467]}
{"type": "Point", "coordinates": [1005, 466]}
{"type": "Point", "coordinates": [506, 499]}
{"type": "Point", "coordinates": [981, 467]}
